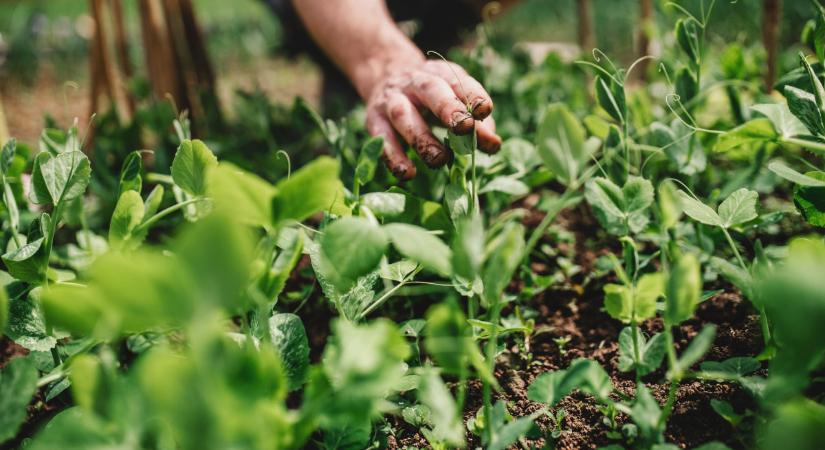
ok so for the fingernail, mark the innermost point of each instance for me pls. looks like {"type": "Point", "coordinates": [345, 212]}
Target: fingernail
{"type": "Point", "coordinates": [403, 172]}
{"type": "Point", "coordinates": [462, 122]}
{"type": "Point", "coordinates": [481, 108]}
{"type": "Point", "coordinates": [434, 156]}
{"type": "Point", "coordinates": [490, 146]}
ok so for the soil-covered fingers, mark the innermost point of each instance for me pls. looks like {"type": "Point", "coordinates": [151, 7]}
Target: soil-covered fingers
{"type": "Point", "coordinates": [393, 155]}
{"type": "Point", "coordinates": [408, 122]}
{"type": "Point", "coordinates": [435, 94]}
{"type": "Point", "coordinates": [467, 88]}
{"type": "Point", "coordinates": [488, 140]}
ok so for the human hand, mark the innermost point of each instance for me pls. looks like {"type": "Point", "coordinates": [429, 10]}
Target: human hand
{"type": "Point", "coordinates": [459, 102]}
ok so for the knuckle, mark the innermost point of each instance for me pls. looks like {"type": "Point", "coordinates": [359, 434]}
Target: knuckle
{"type": "Point", "coordinates": [397, 111]}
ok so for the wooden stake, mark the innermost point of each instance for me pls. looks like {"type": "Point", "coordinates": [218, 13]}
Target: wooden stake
{"type": "Point", "coordinates": [771, 15]}
{"type": "Point", "coordinates": [586, 41]}
{"type": "Point", "coordinates": [643, 37]}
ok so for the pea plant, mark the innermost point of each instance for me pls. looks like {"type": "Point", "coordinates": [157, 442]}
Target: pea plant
{"type": "Point", "coordinates": [632, 248]}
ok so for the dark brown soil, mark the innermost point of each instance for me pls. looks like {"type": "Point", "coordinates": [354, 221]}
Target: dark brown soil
{"type": "Point", "coordinates": [593, 335]}
{"type": "Point", "coordinates": [575, 311]}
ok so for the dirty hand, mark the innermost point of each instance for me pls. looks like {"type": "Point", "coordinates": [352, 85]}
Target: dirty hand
{"type": "Point", "coordinates": [396, 102]}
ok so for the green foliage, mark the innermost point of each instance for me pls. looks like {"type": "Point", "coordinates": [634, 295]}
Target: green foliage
{"type": "Point", "coordinates": [620, 210]}
{"type": "Point", "coordinates": [651, 352]}
{"type": "Point", "coordinates": [738, 208]}
{"type": "Point", "coordinates": [561, 143]}
{"type": "Point", "coordinates": [421, 246]}
{"type": "Point", "coordinates": [311, 189]}
{"type": "Point", "coordinates": [18, 383]}
{"type": "Point", "coordinates": [634, 303]}
{"type": "Point", "coordinates": [683, 290]}
{"type": "Point", "coordinates": [290, 339]}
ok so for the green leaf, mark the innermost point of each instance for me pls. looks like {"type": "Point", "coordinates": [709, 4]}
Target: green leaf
{"type": "Point", "coordinates": [803, 105]}
{"type": "Point", "coordinates": [421, 246]}
{"type": "Point", "coordinates": [560, 140]}
{"type": "Point", "coordinates": [735, 274]}
{"type": "Point", "coordinates": [687, 85]}
{"type": "Point", "coordinates": [448, 338]}
{"type": "Point", "coordinates": [549, 388]}
{"type": "Point", "coordinates": [28, 263]}
{"type": "Point", "coordinates": [505, 255]}
{"type": "Point", "coordinates": [313, 188]}
{"type": "Point", "coordinates": [792, 175]}
{"type": "Point", "coordinates": [448, 427]}
{"type": "Point", "coordinates": [651, 352]}
{"type": "Point", "coordinates": [684, 288]}
{"type": "Point", "coordinates": [397, 271]}
{"type": "Point", "coordinates": [128, 215]}
{"type": "Point", "coordinates": [698, 211]}
{"type": "Point", "coordinates": [695, 350]}
{"type": "Point", "coordinates": [468, 247]}
{"type": "Point", "coordinates": [384, 204]}
{"type": "Point", "coordinates": [610, 95]}
{"type": "Point", "coordinates": [351, 247]}
{"type": "Point", "coordinates": [18, 383]}
{"type": "Point", "coordinates": [511, 432]}
{"type": "Point", "coordinates": [737, 366]}
{"type": "Point", "coordinates": [620, 210]}
{"type": "Point", "coordinates": [783, 120]}
{"type": "Point", "coordinates": [7, 155]}
{"type": "Point", "coordinates": [368, 159]}
{"type": "Point", "coordinates": [241, 195]}
{"type": "Point", "coordinates": [10, 203]}
{"type": "Point", "coordinates": [362, 364]}
{"type": "Point", "coordinates": [738, 208]}
{"type": "Point", "coordinates": [506, 184]}
{"type": "Point", "coordinates": [125, 294]}
{"type": "Point", "coordinates": [27, 327]}
{"type": "Point", "coordinates": [646, 414]}
{"type": "Point", "coordinates": [4, 310]}
{"type": "Point", "coordinates": [290, 339]}
{"type": "Point", "coordinates": [191, 165]}
{"type": "Point", "coordinates": [130, 178]}
{"type": "Point", "coordinates": [753, 131]}
{"type": "Point", "coordinates": [274, 280]}
{"type": "Point", "coordinates": [670, 207]}
{"type": "Point", "coordinates": [586, 375]}
{"type": "Point", "coordinates": [59, 178]}
{"type": "Point", "coordinates": [462, 145]}
{"type": "Point", "coordinates": [638, 303]}
{"type": "Point", "coordinates": [810, 200]}
{"type": "Point", "coordinates": [687, 36]}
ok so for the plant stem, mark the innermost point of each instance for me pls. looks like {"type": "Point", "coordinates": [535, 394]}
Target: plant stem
{"type": "Point", "coordinates": [474, 191]}
{"type": "Point", "coordinates": [636, 351]}
{"type": "Point", "coordinates": [810, 145]}
{"type": "Point", "coordinates": [676, 373]}
{"type": "Point", "coordinates": [160, 215]}
{"type": "Point", "coordinates": [492, 345]}
{"type": "Point", "coordinates": [763, 318]}
{"type": "Point", "coordinates": [626, 146]}
{"type": "Point", "coordinates": [735, 249]}
{"type": "Point", "coordinates": [388, 294]}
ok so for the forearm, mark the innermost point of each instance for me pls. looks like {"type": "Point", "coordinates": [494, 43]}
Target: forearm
{"type": "Point", "coordinates": [360, 37]}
